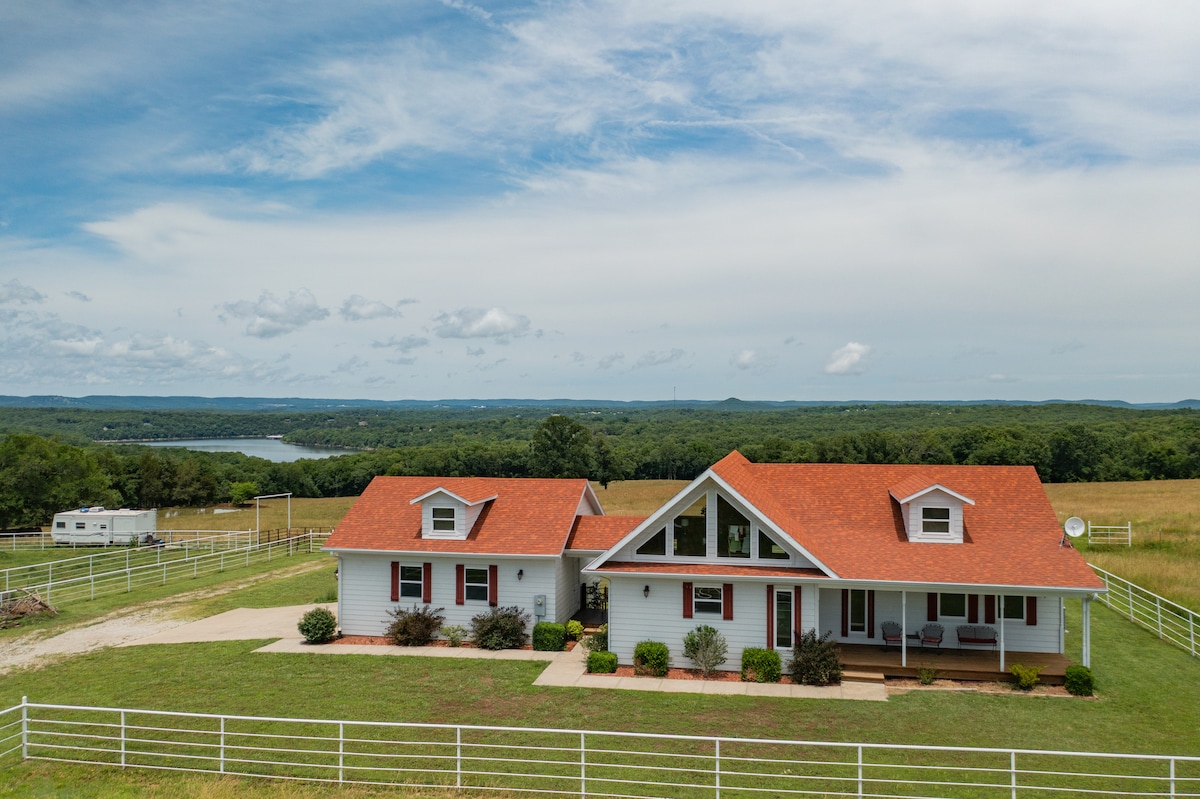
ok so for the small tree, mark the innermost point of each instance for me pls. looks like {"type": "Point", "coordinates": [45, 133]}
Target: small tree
{"type": "Point", "coordinates": [815, 660]}
{"type": "Point", "coordinates": [318, 626]}
{"type": "Point", "coordinates": [706, 647]}
{"type": "Point", "coordinates": [243, 492]}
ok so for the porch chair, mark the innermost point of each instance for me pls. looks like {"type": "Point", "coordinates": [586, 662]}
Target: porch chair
{"type": "Point", "coordinates": [931, 635]}
{"type": "Point", "coordinates": [892, 632]}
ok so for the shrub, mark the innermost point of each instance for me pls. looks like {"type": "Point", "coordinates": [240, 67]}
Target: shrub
{"type": "Point", "coordinates": [1027, 676]}
{"type": "Point", "coordinates": [500, 628]}
{"type": "Point", "coordinates": [601, 662]}
{"type": "Point", "coordinates": [651, 658]}
{"type": "Point", "coordinates": [815, 660]}
{"type": "Point", "coordinates": [328, 596]}
{"type": "Point", "coordinates": [574, 630]}
{"type": "Point", "coordinates": [597, 641]}
{"type": "Point", "coordinates": [927, 676]}
{"type": "Point", "coordinates": [1079, 681]}
{"type": "Point", "coordinates": [318, 626]}
{"type": "Point", "coordinates": [414, 627]}
{"type": "Point", "coordinates": [549, 636]}
{"type": "Point", "coordinates": [706, 647]}
{"type": "Point", "coordinates": [454, 633]}
{"type": "Point", "coordinates": [761, 665]}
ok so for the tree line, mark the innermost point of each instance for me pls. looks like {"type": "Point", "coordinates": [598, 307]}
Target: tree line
{"type": "Point", "coordinates": [49, 460]}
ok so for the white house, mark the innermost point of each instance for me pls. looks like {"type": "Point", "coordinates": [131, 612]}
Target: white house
{"type": "Point", "coordinates": [759, 551]}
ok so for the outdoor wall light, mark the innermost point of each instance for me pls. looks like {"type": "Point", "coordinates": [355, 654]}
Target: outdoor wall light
{"type": "Point", "coordinates": [520, 574]}
{"type": "Point", "coordinates": [646, 592]}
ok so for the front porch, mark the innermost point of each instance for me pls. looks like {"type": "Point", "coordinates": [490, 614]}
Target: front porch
{"type": "Point", "coordinates": [951, 663]}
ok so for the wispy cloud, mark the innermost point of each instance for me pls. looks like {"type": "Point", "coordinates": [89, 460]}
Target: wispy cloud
{"type": "Point", "coordinates": [15, 291]}
{"type": "Point", "coordinates": [269, 316]}
{"type": "Point", "coordinates": [358, 308]}
{"type": "Point", "coordinates": [655, 358]}
{"type": "Point", "coordinates": [848, 360]}
{"type": "Point", "coordinates": [403, 344]}
{"type": "Point", "coordinates": [480, 323]}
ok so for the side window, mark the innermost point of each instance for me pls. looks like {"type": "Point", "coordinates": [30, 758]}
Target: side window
{"type": "Point", "coordinates": [707, 599]}
{"type": "Point", "coordinates": [935, 520]}
{"type": "Point", "coordinates": [476, 585]}
{"type": "Point", "coordinates": [952, 605]}
{"type": "Point", "coordinates": [691, 531]}
{"type": "Point", "coordinates": [1014, 607]}
{"type": "Point", "coordinates": [443, 519]}
{"type": "Point", "coordinates": [411, 581]}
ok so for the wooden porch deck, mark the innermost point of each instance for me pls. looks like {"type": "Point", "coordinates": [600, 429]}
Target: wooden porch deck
{"type": "Point", "coordinates": [951, 663]}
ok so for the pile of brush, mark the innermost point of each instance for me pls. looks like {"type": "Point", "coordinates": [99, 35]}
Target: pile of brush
{"type": "Point", "coordinates": [18, 604]}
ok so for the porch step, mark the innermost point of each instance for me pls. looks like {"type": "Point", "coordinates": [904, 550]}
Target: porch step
{"type": "Point", "coordinates": [862, 676]}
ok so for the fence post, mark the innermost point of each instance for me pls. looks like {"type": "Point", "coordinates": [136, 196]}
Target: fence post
{"type": "Point", "coordinates": [341, 751]}
{"type": "Point", "coordinates": [1012, 767]}
{"type": "Point", "coordinates": [1158, 613]}
{"type": "Point", "coordinates": [24, 728]}
{"type": "Point", "coordinates": [1192, 631]}
{"type": "Point", "coordinates": [717, 773]}
{"type": "Point", "coordinates": [458, 757]}
{"type": "Point", "coordinates": [123, 736]}
{"type": "Point", "coordinates": [860, 772]}
{"type": "Point", "coordinates": [222, 744]}
{"type": "Point", "coordinates": [583, 764]}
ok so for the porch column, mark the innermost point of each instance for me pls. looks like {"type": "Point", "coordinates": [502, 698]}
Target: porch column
{"type": "Point", "coordinates": [904, 629]}
{"type": "Point", "coordinates": [1000, 604]}
{"type": "Point", "coordinates": [1087, 631]}
{"type": "Point", "coordinates": [817, 610]}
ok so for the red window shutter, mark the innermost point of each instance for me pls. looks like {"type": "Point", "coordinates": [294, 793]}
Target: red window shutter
{"type": "Point", "coordinates": [687, 600]}
{"type": "Point", "coordinates": [989, 609]}
{"type": "Point", "coordinates": [427, 583]}
{"type": "Point", "coordinates": [727, 601]}
{"type": "Point", "coordinates": [770, 617]}
{"type": "Point", "coordinates": [1031, 611]}
{"type": "Point", "coordinates": [460, 584]}
{"type": "Point", "coordinates": [845, 612]}
{"type": "Point", "coordinates": [493, 585]}
{"type": "Point", "coordinates": [796, 615]}
{"type": "Point", "coordinates": [395, 581]}
{"type": "Point", "coordinates": [972, 608]}
{"type": "Point", "coordinates": [931, 607]}
{"type": "Point", "coordinates": [870, 614]}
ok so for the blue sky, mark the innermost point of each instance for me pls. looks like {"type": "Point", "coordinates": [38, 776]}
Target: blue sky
{"type": "Point", "coordinates": [930, 200]}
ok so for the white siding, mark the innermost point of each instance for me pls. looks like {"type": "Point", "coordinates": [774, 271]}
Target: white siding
{"type": "Point", "coordinates": [567, 580]}
{"type": "Point", "coordinates": [365, 588]}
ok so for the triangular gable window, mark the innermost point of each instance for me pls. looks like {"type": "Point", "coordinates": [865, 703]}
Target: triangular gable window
{"type": "Point", "coordinates": [655, 544]}
{"type": "Point", "coordinates": [769, 548]}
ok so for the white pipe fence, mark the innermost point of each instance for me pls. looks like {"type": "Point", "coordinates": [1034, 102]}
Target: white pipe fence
{"type": "Point", "coordinates": [580, 763]}
{"type": "Point", "coordinates": [1110, 534]}
{"type": "Point", "coordinates": [1172, 622]}
{"type": "Point", "coordinates": [121, 571]}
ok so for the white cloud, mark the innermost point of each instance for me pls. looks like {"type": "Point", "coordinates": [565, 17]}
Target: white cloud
{"type": "Point", "coordinates": [480, 323]}
{"type": "Point", "coordinates": [746, 359]}
{"type": "Point", "coordinates": [404, 344]}
{"type": "Point", "coordinates": [654, 358]}
{"type": "Point", "coordinates": [77, 295]}
{"type": "Point", "coordinates": [848, 360]}
{"type": "Point", "coordinates": [17, 292]}
{"type": "Point", "coordinates": [270, 317]}
{"type": "Point", "coordinates": [358, 308]}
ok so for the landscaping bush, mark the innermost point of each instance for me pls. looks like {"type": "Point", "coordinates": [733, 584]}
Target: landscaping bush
{"type": "Point", "coordinates": [815, 660]}
{"type": "Point", "coordinates": [927, 676]}
{"type": "Point", "coordinates": [574, 630]}
{"type": "Point", "coordinates": [601, 662]}
{"type": "Point", "coordinates": [1027, 676]}
{"type": "Point", "coordinates": [761, 665]}
{"type": "Point", "coordinates": [414, 627]}
{"type": "Point", "coordinates": [318, 626]}
{"type": "Point", "coordinates": [706, 647]}
{"type": "Point", "coordinates": [597, 641]}
{"type": "Point", "coordinates": [455, 634]}
{"type": "Point", "coordinates": [500, 628]}
{"type": "Point", "coordinates": [549, 636]}
{"type": "Point", "coordinates": [651, 658]}
{"type": "Point", "coordinates": [1079, 681]}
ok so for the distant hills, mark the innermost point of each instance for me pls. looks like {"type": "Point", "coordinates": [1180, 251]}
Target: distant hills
{"type": "Point", "coordinates": [111, 402]}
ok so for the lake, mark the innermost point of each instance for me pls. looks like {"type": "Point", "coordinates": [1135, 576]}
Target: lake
{"type": "Point", "coordinates": [271, 449]}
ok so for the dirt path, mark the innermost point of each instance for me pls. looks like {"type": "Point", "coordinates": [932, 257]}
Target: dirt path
{"type": "Point", "coordinates": [121, 626]}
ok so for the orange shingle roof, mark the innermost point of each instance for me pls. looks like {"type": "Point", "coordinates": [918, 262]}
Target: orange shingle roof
{"type": "Point", "coordinates": [528, 517]}
{"type": "Point", "coordinates": [598, 533]}
{"type": "Point", "coordinates": [845, 516]}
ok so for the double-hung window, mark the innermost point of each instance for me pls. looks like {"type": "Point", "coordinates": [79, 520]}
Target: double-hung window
{"type": "Point", "coordinates": [935, 520]}
{"type": "Point", "coordinates": [858, 610]}
{"type": "Point", "coordinates": [443, 519]}
{"type": "Point", "coordinates": [1014, 607]}
{"type": "Point", "coordinates": [707, 599]}
{"type": "Point", "coordinates": [411, 581]}
{"type": "Point", "coordinates": [475, 585]}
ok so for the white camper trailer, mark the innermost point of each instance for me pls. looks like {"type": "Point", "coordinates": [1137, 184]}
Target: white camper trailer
{"type": "Point", "coordinates": [99, 526]}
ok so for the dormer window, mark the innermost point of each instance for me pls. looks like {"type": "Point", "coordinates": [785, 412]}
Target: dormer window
{"type": "Point", "coordinates": [935, 520]}
{"type": "Point", "coordinates": [443, 519]}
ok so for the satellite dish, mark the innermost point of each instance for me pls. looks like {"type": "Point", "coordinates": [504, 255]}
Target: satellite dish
{"type": "Point", "coordinates": [1074, 527]}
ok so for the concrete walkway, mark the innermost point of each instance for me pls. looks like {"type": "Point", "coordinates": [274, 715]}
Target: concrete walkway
{"type": "Point", "coordinates": [563, 670]}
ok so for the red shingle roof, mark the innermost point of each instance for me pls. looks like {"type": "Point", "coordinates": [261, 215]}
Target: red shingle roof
{"type": "Point", "coordinates": [845, 516]}
{"type": "Point", "coordinates": [598, 533]}
{"type": "Point", "coordinates": [528, 517]}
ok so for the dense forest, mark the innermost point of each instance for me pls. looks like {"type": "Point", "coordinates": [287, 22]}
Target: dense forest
{"type": "Point", "coordinates": [53, 458]}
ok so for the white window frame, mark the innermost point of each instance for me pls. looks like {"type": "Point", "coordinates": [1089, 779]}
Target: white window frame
{"type": "Point", "coordinates": [408, 585]}
{"type": "Point", "coordinates": [857, 625]}
{"type": "Point", "coordinates": [468, 585]}
{"type": "Point", "coordinates": [1019, 601]}
{"type": "Point", "coordinates": [439, 519]}
{"type": "Point", "coordinates": [785, 635]}
{"type": "Point", "coordinates": [942, 614]}
{"type": "Point", "coordinates": [927, 520]}
{"type": "Point", "coordinates": [708, 599]}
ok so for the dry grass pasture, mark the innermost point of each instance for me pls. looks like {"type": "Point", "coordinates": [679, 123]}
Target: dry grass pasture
{"type": "Point", "coordinates": [272, 515]}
